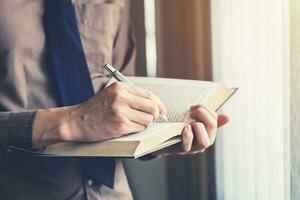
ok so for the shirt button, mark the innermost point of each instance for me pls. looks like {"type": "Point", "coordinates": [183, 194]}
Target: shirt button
{"type": "Point", "coordinates": [90, 182]}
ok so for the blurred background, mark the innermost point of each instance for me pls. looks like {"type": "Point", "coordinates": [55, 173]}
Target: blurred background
{"type": "Point", "coordinates": [250, 44]}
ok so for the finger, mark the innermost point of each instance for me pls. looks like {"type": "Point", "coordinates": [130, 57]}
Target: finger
{"type": "Point", "coordinates": [222, 120]}
{"type": "Point", "coordinates": [187, 138]}
{"type": "Point", "coordinates": [145, 105]}
{"type": "Point", "coordinates": [193, 107]}
{"type": "Point", "coordinates": [211, 124]}
{"type": "Point", "coordinates": [137, 91]}
{"type": "Point", "coordinates": [192, 152]}
{"type": "Point", "coordinates": [161, 105]}
{"type": "Point", "coordinates": [213, 113]}
{"type": "Point", "coordinates": [135, 127]}
{"type": "Point", "coordinates": [140, 117]}
{"type": "Point", "coordinates": [202, 139]}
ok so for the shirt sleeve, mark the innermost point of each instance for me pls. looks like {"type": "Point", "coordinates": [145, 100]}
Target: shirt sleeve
{"type": "Point", "coordinates": [16, 129]}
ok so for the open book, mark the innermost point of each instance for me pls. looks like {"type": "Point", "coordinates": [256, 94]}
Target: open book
{"type": "Point", "coordinates": [178, 95]}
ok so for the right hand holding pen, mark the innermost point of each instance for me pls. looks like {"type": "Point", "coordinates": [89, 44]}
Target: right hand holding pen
{"type": "Point", "coordinates": [117, 110]}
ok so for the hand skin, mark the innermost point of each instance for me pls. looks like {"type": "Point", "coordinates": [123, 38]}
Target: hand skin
{"type": "Point", "coordinates": [117, 110]}
{"type": "Point", "coordinates": [199, 134]}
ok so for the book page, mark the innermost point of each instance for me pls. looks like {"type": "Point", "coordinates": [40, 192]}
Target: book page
{"type": "Point", "coordinates": [177, 95]}
{"type": "Point", "coordinates": [148, 132]}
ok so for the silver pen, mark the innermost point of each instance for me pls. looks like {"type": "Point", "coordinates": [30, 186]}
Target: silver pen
{"type": "Point", "coordinates": [120, 77]}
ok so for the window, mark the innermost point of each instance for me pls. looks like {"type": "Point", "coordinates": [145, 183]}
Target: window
{"type": "Point", "coordinates": [250, 51]}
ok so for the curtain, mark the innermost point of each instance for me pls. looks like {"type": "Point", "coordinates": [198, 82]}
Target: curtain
{"type": "Point", "coordinates": [183, 39]}
{"type": "Point", "coordinates": [250, 51]}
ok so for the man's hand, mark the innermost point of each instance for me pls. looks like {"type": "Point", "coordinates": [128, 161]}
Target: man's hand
{"type": "Point", "coordinates": [199, 134]}
{"type": "Point", "coordinates": [117, 110]}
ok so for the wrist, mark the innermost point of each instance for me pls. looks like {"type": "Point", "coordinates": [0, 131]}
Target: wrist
{"type": "Point", "coordinates": [52, 126]}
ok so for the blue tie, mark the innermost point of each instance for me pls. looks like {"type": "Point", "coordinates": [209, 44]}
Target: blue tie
{"type": "Point", "coordinates": [66, 55]}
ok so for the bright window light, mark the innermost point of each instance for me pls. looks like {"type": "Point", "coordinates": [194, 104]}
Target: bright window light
{"type": "Point", "coordinates": [151, 59]}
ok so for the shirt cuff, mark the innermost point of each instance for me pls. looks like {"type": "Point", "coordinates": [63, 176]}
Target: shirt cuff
{"type": "Point", "coordinates": [16, 129]}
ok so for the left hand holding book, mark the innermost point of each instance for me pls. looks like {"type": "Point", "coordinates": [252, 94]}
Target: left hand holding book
{"type": "Point", "coordinates": [199, 134]}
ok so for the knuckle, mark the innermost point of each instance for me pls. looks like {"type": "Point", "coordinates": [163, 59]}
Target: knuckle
{"type": "Point", "coordinates": [113, 87]}
{"type": "Point", "coordinates": [121, 128]}
{"type": "Point", "coordinates": [198, 112]}
{"type": "Point", "coordinates": [117, 115]}
{"type": "Point", "coordinates": [119, 97]}
{"type": "Point", "coordinates": [194, 107]}
{"type": "Point", "coordinates": [201, 110]}
{"type": "Point", "coordinates": [117, 85]}
{"type": "Point", "coordinates": [114, 108]}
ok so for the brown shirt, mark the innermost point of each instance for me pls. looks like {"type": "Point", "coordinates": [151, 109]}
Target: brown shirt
{"type": "Point", "coordinates": [25, 86]}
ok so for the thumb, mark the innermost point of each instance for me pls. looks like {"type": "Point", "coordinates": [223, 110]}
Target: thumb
{"type": "Point", "coordinates": [222, 120]}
